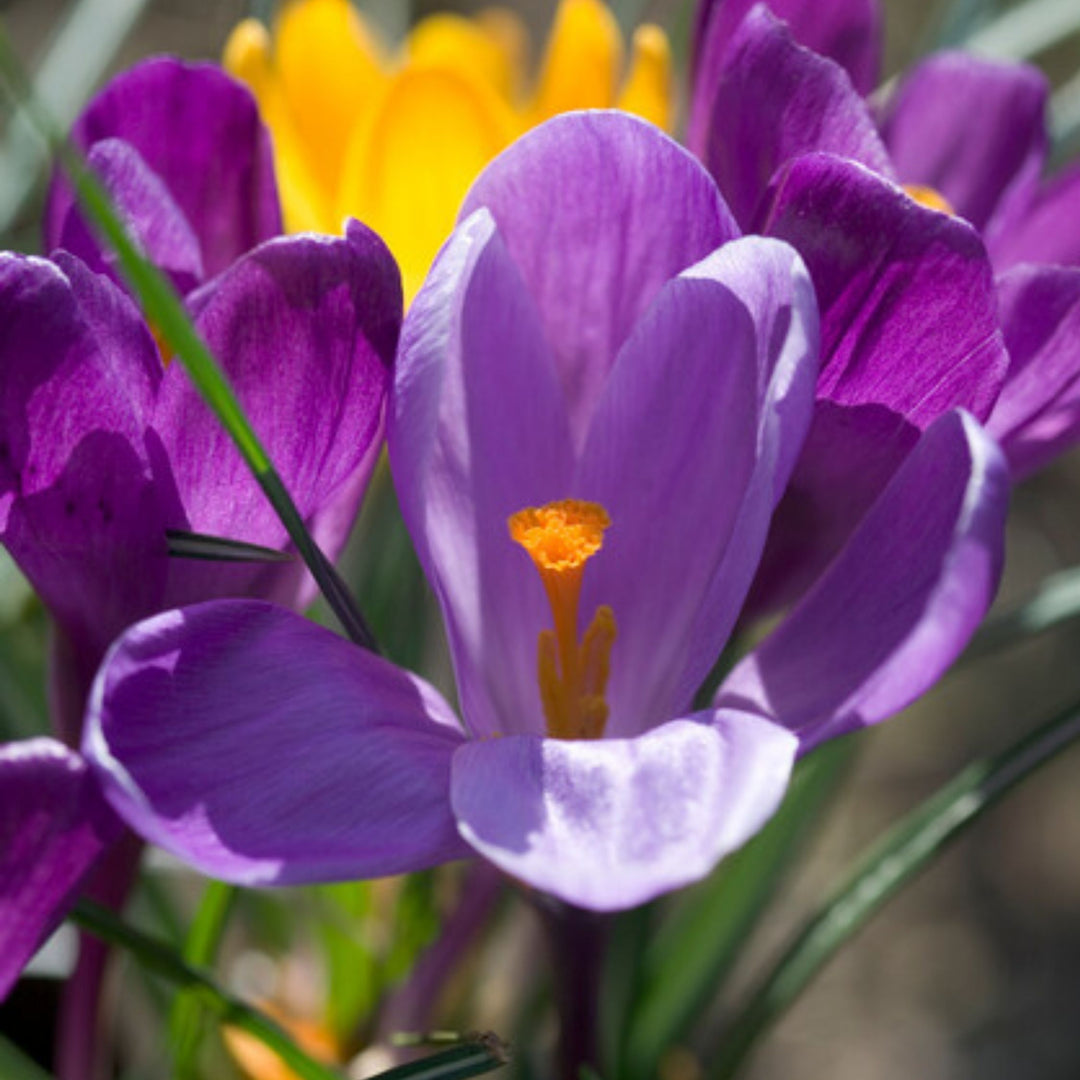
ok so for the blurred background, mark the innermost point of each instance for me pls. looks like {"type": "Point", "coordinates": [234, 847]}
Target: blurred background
{"type": "Point", "coordinates": [974, 971]}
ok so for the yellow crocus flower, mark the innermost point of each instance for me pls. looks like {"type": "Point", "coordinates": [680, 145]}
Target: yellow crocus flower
{"type": "Point", "coordinates": [396, 140]}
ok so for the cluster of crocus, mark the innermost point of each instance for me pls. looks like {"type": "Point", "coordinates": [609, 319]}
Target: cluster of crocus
{"type": "Point", "coordinates": [600, 394]}
{"type": "Point", "coordinates": [396, 141]}
{"type": "Point", "coordinates": [106, 446]}
{"type": "Point", "coordinates": [767, 113]}
{"type": "Point", "coordinates": [798, 152]}
{"type": "Point", "coordinates": [618, 427]}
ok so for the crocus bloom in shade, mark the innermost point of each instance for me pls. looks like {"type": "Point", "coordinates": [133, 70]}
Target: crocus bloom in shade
{"type": "Point", "coordinates": [396, 141]}
{"type": "Point", "coordinates": [104, 446]}
{"type": "Point", "coordinates": [183, 153]}
{"type": "Point", "coordinates": [600, 393]}
{"type": "Point", "coordinates": [762, 102]}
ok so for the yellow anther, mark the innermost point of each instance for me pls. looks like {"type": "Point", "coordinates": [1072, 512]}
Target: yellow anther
{"type": "Point", "coordinates": [930, 197]}
{"type": "Point", "coordinates": [560, 538]}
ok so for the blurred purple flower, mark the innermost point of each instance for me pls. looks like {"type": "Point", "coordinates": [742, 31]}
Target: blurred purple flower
{"type": "Point", "coordinates": [104, 446]}
{"type": "Point", "coordinates": [600, 393]}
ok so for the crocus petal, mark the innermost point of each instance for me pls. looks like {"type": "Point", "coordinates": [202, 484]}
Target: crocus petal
{"type": "Point", "coordinates": [307, 205]}
{"type": "Point", "coordinates": [847, 31]}
{"type": "Point", "coordinates": [772, 101]}
{"type": "Point", "coordinates": [469, 46]}
{"type": "Point", "coordinates": [330, 67]}
{"type": "Point", "coordinates": [149, 211]}
{"type": "Point", "coordinates": [199, 131]}
{"type": "Point", "coordinates": [908, 330]}
{"type": "Point", "coordinates": [1045, 229]}
{"type": "Point", "coordinates": [598, 210]}
{"type": "Point", "coordinates": [607, 824]}
{"type": "Point", "coordinates": [906, 293]}
{"type": "Point", "coordinates": [647, 91]}
{"type": "Point", "coordinates": [263, 749]}
{"type": "Point", "coordinates": [79, 508]}
{"type": "Point", "coordinates": [1038, 413]}
{"type": "Point", "coordinates": [582, 61]}
{"type": "Point", "coordinates": [53, 826]}
{"type": "Point", "coordinates": [971, 129]}
{"type": "Point", "coordinates": [478, 431]}
{"type": "Point", "coordinates": [411, 163]}
{"type": "Point", "coordinates": [898, 604]}
{"type": "Point", "coordinates": [305, 328]}
{"type": "Point", "coordinates": [688, 451]}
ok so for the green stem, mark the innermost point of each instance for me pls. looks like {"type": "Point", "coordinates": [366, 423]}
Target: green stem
{"type": "Point", "coordinates": [896, 859]}
{"type": "Point", "coordinates": [225, 1007]}
{"type": "Point", "coordinates": [200, 949]}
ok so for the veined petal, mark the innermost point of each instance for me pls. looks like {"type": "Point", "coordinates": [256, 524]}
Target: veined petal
{"type": "Point", "coordinates": [411, 162]}
{"type": "Point", "coordinates": [199, 131]}
{"type": "Point", "coordinates": [306, 204]}
{"type": "Point", "coordinates": [611, 823]}
{"type": "Point", "coordinates": [648, 89]}
{"type": "Point", "coordinates": [1038, 413]}
{"type": "Point", "coordinates": [978, 165]}
{"type": "Point", "coordinates": [478, 431]}
{"type": "Point", "coordinates": [771, 101]}
{"type": "Point", "coordinates": [847, 31]}
{"type": "Point", "coordinates": [54, 825]}
{"type": "Point", "coordinates": [305, 327]}
{"type": "Point", "coordinates": [599, 211]}
{"type": "Point", "coordinates": [582, 62]}
{"type": "Point", "coordinates": [80, 508]}
{"type": "Point", "coordinates": [692, 442]}
{"type": "Point", "coordinates": [263, 749]}
{"type": "Point", "coordinates": [331, 72]}
{"type": "Point", "coordinates": [898, 604]}
{"type": "Point", "coordinates": [1045, 229]}
{"type": "Point", "coordinates": [908, 330]}
{"type": "Point", "coordinates": [149, 211]}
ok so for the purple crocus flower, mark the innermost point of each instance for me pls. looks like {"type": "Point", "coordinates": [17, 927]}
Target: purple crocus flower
{"type": "Point", "coordinates": [600, 393]}
{"type": "Point", "coordinates": [763, 104]}
{"type": "Point", "coordinates": [105, 444]}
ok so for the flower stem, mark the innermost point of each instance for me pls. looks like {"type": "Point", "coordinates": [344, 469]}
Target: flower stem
{"type": "Point", "coordinates": [576, 943]}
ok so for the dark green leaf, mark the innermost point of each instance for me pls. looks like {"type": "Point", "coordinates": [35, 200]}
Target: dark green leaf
{"type": "Point", "coordinates": [893, 862]}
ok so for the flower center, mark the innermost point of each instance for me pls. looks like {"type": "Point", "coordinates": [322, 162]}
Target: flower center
{"type": "Point", "coordinates": [560, 538]}
{"type": "Point", "coordinates": [931, 197]}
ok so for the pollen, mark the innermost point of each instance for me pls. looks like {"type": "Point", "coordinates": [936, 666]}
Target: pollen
{"type": "Point", "coordinates": [930, 197]}
{"type": "Point", "coordinates": [561, 536]}
{"type": "Point", "coordinates": [572, 673]}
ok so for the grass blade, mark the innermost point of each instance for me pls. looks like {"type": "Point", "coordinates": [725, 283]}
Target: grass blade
{"type": "Point", "coordinates": [226, 1008]}
{"type": "Point", "coordinates": [200, 949]}
{"type": "Point", "coordinates": [473, 1056]}
{"type": "Point", "coordinates": [687, 961]}
{"type": "Point", "coordinates": [896, 859]}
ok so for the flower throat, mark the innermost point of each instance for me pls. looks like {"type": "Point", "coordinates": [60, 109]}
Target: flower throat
{"type": "Point", "coordinates": [560, 538]}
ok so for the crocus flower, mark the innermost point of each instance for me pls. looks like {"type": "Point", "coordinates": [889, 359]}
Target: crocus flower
{"type": "Point", "coordinates": [105, 445]}
{"type": "Point", "coordinates": [762, 102]}
{"type": "Point", "coordinates": [599, 396]}
{"type": "Point", "coordinates": [396, 141]}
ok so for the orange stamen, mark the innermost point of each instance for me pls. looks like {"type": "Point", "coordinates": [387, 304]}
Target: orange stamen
{"type": "Point", "coordinates": [560, 538]}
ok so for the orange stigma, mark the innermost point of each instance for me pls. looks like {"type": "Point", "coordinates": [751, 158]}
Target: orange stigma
{"type": "Point", "coordinates": [931, 197]}
{"type": "Point", "coordinates": [560, 538]}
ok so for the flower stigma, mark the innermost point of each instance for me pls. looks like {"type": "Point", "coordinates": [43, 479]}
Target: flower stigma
{"type": "Point", "coordinates": [931, 197]}
{"type": "Point", "coordinates": [560, 538]}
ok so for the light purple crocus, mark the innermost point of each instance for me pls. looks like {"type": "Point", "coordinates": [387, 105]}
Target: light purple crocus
{"type": "Point", "coordinates": [105, 445]}
{"type": "Point", "coordinates": [764, 107]}
{"type": "Point", "coordinates": [600, 393]}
